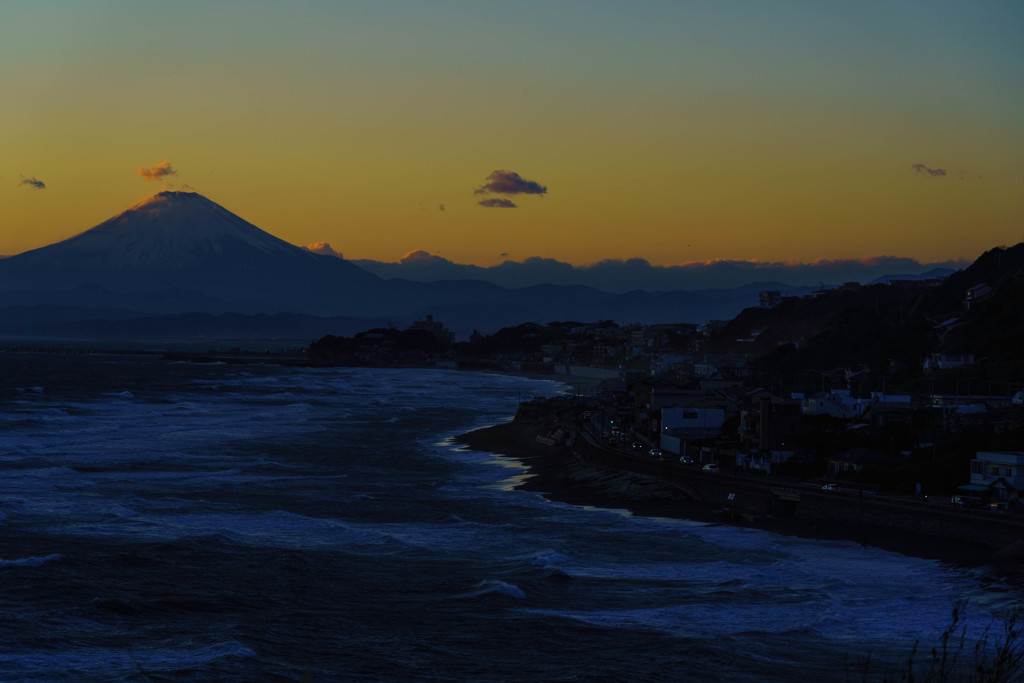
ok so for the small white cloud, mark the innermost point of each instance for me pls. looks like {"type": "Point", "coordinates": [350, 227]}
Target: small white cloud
{"type": "Point", "coordinates": [323, 248]}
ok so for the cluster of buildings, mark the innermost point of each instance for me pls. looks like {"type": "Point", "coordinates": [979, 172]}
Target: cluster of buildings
{"type": "Point", "coordinates": [669, 389]}
{"type": "Point", "coordinates": [739, 425]}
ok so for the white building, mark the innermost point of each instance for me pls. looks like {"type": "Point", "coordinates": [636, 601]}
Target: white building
{"type": "Point", "coordinates": [945, 361]}
{"type": "Point", "coordinates": [837, 403]}
{"type": "Point", "coordinates": [688, 423]}
{"type": "Point", "coordinates": [1001, 473]}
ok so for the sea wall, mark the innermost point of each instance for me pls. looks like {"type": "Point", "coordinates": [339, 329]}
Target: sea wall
{"type": "Point", "coordinates": [586, 371]}
{"type": "Point", "coordinates": [995, 529]}
{"type": "Point", "coordinates": [749, 494]}
{"type": "Point", "coordinates": [716, 488]}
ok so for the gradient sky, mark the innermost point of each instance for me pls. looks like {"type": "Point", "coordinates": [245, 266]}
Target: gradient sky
{"type": "Point", "coordinates": [672, 131]}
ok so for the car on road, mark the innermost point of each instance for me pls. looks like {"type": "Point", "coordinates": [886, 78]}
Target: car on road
{"type": "Point", "coordinates": [637, 446]}
{"type": "Point", "coordinates": [654, 452]}
{"type": "Point", "coordinates": [686, 460]}
{"type": "Point", "coordinates": [831, 487]}
{"type": "Point", "coordinates": [710, 467]}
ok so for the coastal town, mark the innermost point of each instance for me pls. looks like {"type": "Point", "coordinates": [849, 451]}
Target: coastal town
{"type": "Point", "coordinates": [896, 389]}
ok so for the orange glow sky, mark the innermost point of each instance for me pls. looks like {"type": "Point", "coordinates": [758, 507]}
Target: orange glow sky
{"type": "Point", "coordinates": [670, 131]}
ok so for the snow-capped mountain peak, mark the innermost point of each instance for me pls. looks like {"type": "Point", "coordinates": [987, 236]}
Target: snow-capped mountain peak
{"type": "Point", "coordinates": [184, 241]}
{"type": "Point", "coordinates": [172, 230]}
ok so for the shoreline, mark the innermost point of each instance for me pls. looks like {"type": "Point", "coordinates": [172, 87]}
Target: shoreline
{"type": "Point", "coordinates": [555, 473]}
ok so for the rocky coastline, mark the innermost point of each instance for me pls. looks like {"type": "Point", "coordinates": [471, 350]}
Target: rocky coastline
{"type": "Point", "coordinates": [560, 475]}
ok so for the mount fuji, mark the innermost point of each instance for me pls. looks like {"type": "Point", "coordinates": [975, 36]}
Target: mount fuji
{"type": "Point", "coordinates": [184, 241]}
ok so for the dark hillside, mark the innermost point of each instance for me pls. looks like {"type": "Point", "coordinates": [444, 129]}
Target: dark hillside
{"type": "Point", "coordinates": [845, 327]}
{"type": "Point", "coordinates": [977, 310]}
{"type": "Point", "coordinates": [994, 268]}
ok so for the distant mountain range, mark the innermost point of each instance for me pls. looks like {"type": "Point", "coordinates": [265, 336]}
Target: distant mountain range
{"type": "Point", "coordinates": [179, 266]}
{"type": "Point", "coordinates": [627, 275]}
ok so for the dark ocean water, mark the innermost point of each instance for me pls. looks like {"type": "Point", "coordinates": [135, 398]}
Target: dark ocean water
{"type": "Point", "coordinates": [163, 521]}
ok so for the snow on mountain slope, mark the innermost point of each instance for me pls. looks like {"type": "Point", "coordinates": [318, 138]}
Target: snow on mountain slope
{"type": "Point", "coordinates": [183, 241]}
{"type": "Point", "coordinates": [172, 230]}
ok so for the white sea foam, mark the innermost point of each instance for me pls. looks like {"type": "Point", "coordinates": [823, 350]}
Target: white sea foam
{"type": "Point", "coordinates": [548, 557]}
{"type": "Point", "coordinates": [883, 619]}
{"type": "Point", "coordinates": [270, 529]}
{"type": "Point", "coordinates": [29, 561]}
{"type": "Point", "coordinates": [129, 661]}
{"type": "Point", "coordinates": [776, 584]}
{"type": "Point", "coordinates": [490, 587]}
